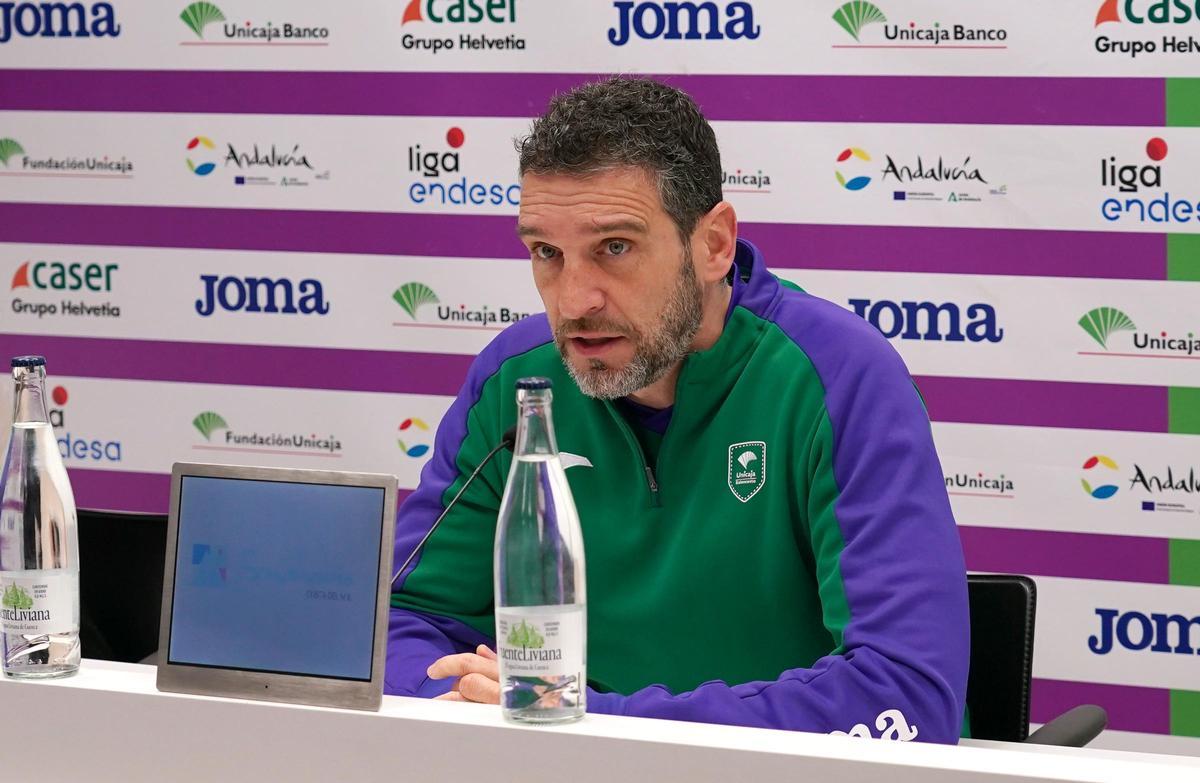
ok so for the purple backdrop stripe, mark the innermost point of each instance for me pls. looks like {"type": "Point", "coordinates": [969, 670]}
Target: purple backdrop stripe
{"type": "Point", "coordinates": [1094, 406]}
{"type": "Point", "coordinates": [245, 365]}
{"type": "Point", "coordinates": [1129, 708]}
{"type": "Point", "coordinates": [1015, 101]}
{"type": "Point", "coordinates": [1029, 403]}
{"type": "Point", "coordinates": [1073, 555]}
{"type": "Point", "coordinates": [1090, 254]}
{"type": "Point", "coordinates": [119, 490]}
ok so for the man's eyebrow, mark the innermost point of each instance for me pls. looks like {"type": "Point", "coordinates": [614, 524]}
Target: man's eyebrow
{"type": "Point", "coordinates": [599, 227]}
{"type": "Point", "coordinates": [524, 230]}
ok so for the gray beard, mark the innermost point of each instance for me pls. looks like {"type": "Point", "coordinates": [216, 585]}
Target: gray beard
{"type": "Point", "coordinates": [654, 354]}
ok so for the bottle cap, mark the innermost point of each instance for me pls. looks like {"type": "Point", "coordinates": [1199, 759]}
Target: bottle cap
{"type": "Point", "coordinates": [534, 383]}
{"type": "Point", "coordinates": [29, 361]}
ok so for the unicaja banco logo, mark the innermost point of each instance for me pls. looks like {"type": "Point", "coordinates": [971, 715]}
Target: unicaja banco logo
{"type": "Point", "coordinates": [199, 144]}
{"type": "Point", "coordinates": [209, 422]}
{"type": "Point", "coordinates": [1100, 491]}
{"type": "Point", "coordinates": [197, 16]}
{"type": "Point", "coordinates": [413, 427]}
{"type": "Point", "coordinates": [854, 16]}
{"type": "Point", "coordinates": [525, 635]}
{"type": "Point", "coordinates": [1103, 321]}
{"type": "Point", "coordinates": [57, 20]}
{"type": "Point", "coordinates": [15, 597]}
{"type": "Point", "coordinates": [411, 296]}
{"type": "Point", "coordinates": [853, 182]}
{"type": "Point", "coordinates": [9, 148]}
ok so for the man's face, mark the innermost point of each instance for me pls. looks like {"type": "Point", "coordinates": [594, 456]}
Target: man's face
{"type": "Point", "coordinates": [618, 284]}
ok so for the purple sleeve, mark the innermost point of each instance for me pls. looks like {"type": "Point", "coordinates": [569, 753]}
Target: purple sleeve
{"type": "Point", "coordinates": [416, 640]}
{"type": "Point", "coordinates": [889, 563]}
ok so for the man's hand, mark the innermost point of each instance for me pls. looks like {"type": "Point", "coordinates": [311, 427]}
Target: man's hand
{"type": "Point", "coordinates": [477, 676]}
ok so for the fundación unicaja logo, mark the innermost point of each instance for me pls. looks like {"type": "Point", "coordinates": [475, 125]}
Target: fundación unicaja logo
{"type": "Point", "coordinates": [411, 296]}
{"type": "Point", "coordinates": [8, 149]}
{"type": "Point", "coordinates": [209, 422]}
{"type": "Point", "coordinates": [197, 16]}
{"type": "Point", "coordinates": [852, 182]}
{"type": "Point", "coordinates": [1102, 322]}
{"type": "Point", "coordinates": [854, 16]}
{"type": "Point", "coordinates": [413, 428]}
{"type": "Point", "coordinates": [1100, 491]}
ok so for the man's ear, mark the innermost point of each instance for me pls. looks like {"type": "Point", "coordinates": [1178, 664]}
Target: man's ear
{"type": "Point", "coordinates": [717, 236]}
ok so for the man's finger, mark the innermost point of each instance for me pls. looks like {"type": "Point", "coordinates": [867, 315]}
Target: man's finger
{"type": "Point", "coordinates": [462, 664]}
{"type": "Point", "coordinates": [478, 688]}
{"type": "Point", "coordinates": [483, 651]}
{"type": "Point", "coordinates": [450, 696]}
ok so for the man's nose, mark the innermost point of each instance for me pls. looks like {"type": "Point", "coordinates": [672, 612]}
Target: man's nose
{"type": "Point", "coordinates": [580, 292]}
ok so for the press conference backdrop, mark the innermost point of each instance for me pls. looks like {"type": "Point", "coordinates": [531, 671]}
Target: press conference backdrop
{"type": "Point", "coordinates": [276, 232]}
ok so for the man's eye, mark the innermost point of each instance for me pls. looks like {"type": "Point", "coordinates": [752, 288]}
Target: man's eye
{"type": "Point", "coordinates": [544, 252]}
{"type": "Point", "coordinates": [616, 247]}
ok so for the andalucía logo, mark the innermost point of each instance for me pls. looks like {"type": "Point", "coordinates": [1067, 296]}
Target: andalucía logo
{"type": "Point", "coordinates": [297, 444]}
{"type": "Point", "coordinates": [81, 166]}
{"type": "Point", "coordinates": [437, 171]}
{"type": "Point", "coordinates": [867, 24]}
{"type": "Point", "coordinates": [1107, 323]}
{"type": "Point", "coordinates": [412, 429]}
{"type": "Point", "coordinates": [444, 16]}
{"type": "Point", "coordinates": [59, 276]}
{"type": "Point", "coordinates": [683, 21]}
{"type": "Point", "coordinates": [74, 447]}
{"type": "Point", "coordinates": [1127, 179]}
{"type": "Point", "coordinates": [283, 164]}
{"type": "Point", "coordinates": [852, 182]}
{"type": "Point", "coordinates": [979, 485]}
{"type": "Point", "coordinates": [412, 297]}
{"type": "Point", "coordinates": [1139, 19]}
{"type": "Point", "coordinates": [1100, 491]}
{"type": "Point", "coordinates": [199, 16]}
{"type": "Point", "coordinates": [57, 20]}
{"type": "Point", "coordinates": [929, 321]}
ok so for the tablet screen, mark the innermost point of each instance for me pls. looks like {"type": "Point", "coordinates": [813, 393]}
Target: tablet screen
{"type": "Point", "coordinates": [276, 576]}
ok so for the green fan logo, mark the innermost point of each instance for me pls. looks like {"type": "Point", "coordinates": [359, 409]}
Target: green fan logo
{"type": "Point", "coordinates": [208, 423]}
{"type": "Point", "coordinates": [855, 15]}
{"type": "Point", "coordinates": [525, 635]}
{"type": "Point", "coordinates": [16, 598]}
{"type": "Point", "coordinates": [8, 148]}
{"type": "Point", "coordinates": [197, 16]}
{"type": "Point", "coordinates": [1102, 322]}
{"type": "Point", "coordinates": [411, 296]}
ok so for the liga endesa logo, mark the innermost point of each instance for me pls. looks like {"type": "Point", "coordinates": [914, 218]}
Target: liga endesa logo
{"type": "Point", "coordinates": [1140, 19]}
{"type": "Point", "coordinates": [75, 447]}
{"type": "Point", "coordinates": [437, 20]}
{"type": "Point", "coordinates": [1130, 179]}
{"type": "Point", "coordinates": [441, 180]}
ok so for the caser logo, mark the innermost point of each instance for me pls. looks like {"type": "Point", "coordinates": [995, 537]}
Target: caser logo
{"type": "Point", "coordinates": [684, 21]}
{"type": "Point", "coordinates": [1148, 11]}
{"type": "Point", "coordinates": [464, 15]}
{"type": "Point", "coordinates": [261, 295]}
{"type": "Point", "coordinates": [57, 20]}
{"type": "Point", "coordinates": [930, 321]}
{"type": "Point", "coordinates": [1157, 632]}
{"type": "Point", "coordinates": [57, 276]}
{"type": "Point", "coordinates": [1143, 18]}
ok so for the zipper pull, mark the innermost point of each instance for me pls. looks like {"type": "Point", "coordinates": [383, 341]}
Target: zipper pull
{"type": "Point", "coordinates": [653, 484]}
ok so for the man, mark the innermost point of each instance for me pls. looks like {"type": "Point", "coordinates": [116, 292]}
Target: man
{"type": "Point", "coordinates": [769, 542]}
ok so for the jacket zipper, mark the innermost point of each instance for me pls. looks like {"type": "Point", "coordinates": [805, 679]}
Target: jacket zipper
{"type": "Point", "coordinates": [631, 441]}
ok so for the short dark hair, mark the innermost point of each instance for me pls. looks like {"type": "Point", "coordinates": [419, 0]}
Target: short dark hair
{"type": "Point", "coordinates": [631, 122]}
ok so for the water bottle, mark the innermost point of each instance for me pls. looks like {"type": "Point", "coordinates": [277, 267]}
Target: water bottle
{"type": "Point", "coordinates": [39, 541]}
{"type": "Point", "coordinates": [541, 614]}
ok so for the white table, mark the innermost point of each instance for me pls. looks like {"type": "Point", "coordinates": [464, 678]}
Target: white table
{"type": "Point", "coordinates": [109, 723]}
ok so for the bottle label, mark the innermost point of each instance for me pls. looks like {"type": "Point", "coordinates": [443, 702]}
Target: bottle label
{"type": "Point", "coordinates": [540, 641]}
{"type": "Point", "coordinates": [38, 604]}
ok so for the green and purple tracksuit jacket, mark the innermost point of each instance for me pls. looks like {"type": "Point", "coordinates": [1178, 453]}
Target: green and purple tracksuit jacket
{"type": "Point", "coordinates": [788, 561]}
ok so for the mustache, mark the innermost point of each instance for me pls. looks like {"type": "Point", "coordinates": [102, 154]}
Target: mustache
{"type": "Point", "coordinates": [569, 326]}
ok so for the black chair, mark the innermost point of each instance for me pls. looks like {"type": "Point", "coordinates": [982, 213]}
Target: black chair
{"type": "Point", "coordinates": [1003, 609]}
{"type": "Point", "coordinates": [120, 583]}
